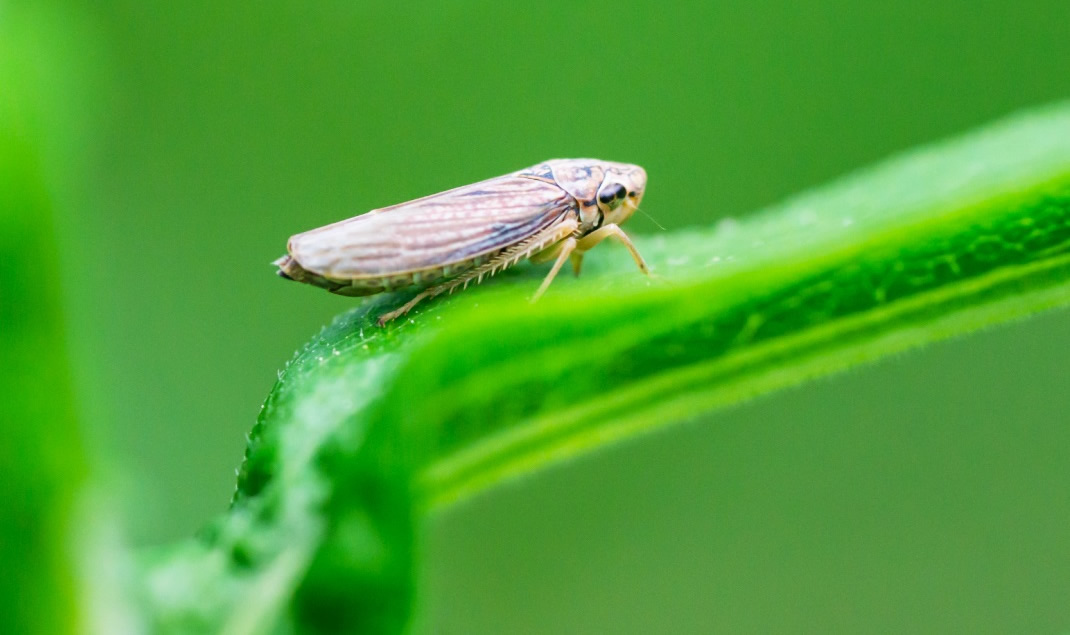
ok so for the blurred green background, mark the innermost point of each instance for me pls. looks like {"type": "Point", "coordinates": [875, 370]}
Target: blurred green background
{"type": "Point", "coordinates": [925, 493]}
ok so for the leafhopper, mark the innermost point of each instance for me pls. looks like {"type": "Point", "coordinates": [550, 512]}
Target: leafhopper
{"type": "Point", "coordinates": [556, 210]}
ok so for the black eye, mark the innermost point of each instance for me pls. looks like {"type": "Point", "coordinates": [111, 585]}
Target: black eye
{"type": "Point", "coordinates": [611, 193]}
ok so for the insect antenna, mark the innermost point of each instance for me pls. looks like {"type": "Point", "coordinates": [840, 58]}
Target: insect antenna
{"type": "Point", "coordinates": [652, 219]}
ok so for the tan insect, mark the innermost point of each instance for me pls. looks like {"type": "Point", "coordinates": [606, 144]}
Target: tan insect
{"type": "Point", "coordinates": [555, 210]}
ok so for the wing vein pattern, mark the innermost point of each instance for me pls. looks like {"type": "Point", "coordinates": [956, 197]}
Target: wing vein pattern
{"type": "Point", "coordinates": [436, 231]}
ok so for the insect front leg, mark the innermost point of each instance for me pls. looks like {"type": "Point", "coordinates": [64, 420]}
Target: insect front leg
{"type": "Point", "coordinates": [590, 240]}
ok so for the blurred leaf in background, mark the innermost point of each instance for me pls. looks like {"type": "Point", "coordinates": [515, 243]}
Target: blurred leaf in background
{"type": "Point", "coordinates": [42, 462]}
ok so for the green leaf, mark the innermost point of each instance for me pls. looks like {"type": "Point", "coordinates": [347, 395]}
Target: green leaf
{"type": "Point", "coordinates": [42, 464]}
{"type": "Point", "coordinates": [370, 430]}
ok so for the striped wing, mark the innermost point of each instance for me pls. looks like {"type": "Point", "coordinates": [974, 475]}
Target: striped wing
{"type": "Point", "coordinates": [435, 231]}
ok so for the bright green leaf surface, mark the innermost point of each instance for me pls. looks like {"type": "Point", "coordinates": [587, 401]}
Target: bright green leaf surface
{"type": "Point", "coordinates": [42, 466]}
{"type": "Point", "coordinates": [369, 430]}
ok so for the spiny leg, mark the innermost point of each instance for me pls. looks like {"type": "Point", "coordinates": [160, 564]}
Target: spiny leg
{"type": "Point", "coordinates": [613, 230]}
{"type": "Point", "coordinates": [550, 253]}
{"type": "Point", "coordinates": [567, 246]}
{"type": "Point", "coordinates": [405, 308]}
{"type": "Point", "coordinates": [501, 262]}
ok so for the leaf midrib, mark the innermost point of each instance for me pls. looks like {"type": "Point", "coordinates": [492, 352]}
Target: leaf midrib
{"type": "Point", "coordinates": [460, 474]}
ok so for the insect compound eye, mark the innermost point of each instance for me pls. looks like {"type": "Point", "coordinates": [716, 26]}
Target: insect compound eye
{"type": "Point", "coordinates": [612, 195]}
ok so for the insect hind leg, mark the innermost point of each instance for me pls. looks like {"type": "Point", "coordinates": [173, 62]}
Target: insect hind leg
{"type": "Point", "coordinates": [405, 308]}
{"type": "Point", "coordinates": [501, 262]}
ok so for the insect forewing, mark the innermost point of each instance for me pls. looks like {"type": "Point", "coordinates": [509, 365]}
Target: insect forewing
{"type": "Point", "coordinates": [435, 231]}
